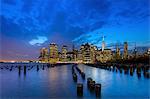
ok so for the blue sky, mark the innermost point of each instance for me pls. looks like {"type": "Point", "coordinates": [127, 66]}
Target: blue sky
{"type": "Point", "coordinates": [28, 25]}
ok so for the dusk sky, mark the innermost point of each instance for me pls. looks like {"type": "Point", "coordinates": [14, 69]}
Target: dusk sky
{"type": "Point", "coordinates": [28, 25]}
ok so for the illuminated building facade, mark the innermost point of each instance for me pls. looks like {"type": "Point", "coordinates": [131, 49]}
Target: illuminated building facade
{"type": "Point", "coordinates": [104, 56]}
{"type": "Point", "coordinates": [125, 54]}
{"type": "Point", "coordinates": [93, 53]}
{"type": "Point", "coordinates": [80, 56]}
{"type": "Point", "coordinates": [53, 53]}
{"type": "Point", "coordinates": [103, 44]}
{"type": "Point", "coordinates": [59, 56]}
{"type": "Point", "coordinates": [118, 55]}
{"type": "Point", "coordinates": [75, 54]}
{"type": "Point", "coordinates": [87, 53]}
{"type": "Point", "coordinates": [64, 53]}
{"type": "Point", "coordinates": [70, 56]}
{"type": "Point", "coordinates": [43, 55]}
{"type": "Point", "coordinates": [148, 51]}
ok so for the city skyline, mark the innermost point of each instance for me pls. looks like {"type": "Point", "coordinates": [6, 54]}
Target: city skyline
{"type": "Point", "coordinates": [33, 25]}
{"type": "Point", "coordinates": [72, 49]}
{"type": "Point", "coordinates": [89, 53]}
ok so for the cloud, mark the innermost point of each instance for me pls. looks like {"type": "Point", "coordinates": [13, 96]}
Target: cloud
{"type": "Point", "coordinates": [94, 37]}
{"type": "Point", "coordinates": [38, 41]}
{"type": "Point", "coordinates": [29, 15]}
{"type": "Point", "coordinates": [112, 37]}
{"type": "Point", "coordinates": [74, 20]}
{"type": "Point", "coordinates": [65, 16]}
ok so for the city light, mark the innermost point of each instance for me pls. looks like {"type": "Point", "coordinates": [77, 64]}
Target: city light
{"type": "Point", "coordinates": [74, 49]}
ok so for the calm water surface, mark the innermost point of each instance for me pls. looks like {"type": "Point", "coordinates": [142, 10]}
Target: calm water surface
{"type": "Point", "coordinates": [57, 82]}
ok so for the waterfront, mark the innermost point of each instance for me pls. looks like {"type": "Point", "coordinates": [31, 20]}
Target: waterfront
{"type": "Point", "coordinates": [57, 82]}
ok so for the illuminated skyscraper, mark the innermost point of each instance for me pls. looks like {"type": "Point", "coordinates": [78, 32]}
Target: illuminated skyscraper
{"type": "Point", "coordinates": [53, 54]}
{"type": "Point", "coordinates": [75, 53]}
{"type": "Point", "coordinates": [93, 53]}
{"type": "Point", "coordinates": [135, 51]}
{"type": "Point", "coordinates": [148, 51]}
{"type": "Point", "coordinates": [125, 55]}
{"type": "Point", "coordinates": [117, 52]}
{"type": "Point", "coordinates": [43, 55]}
{"type": "Point", "coordinates": [80, 55]}
{"type": "Point", "coordinates": [64, 53]}
{"type": "Point", "coordinates": [104, 56]}
{"type": "Point", "coordinates": [59, 55]}
{"type": "Point", "coordinates": [103, 44]}
{"type": "Point", "coordinates": [87, 53]}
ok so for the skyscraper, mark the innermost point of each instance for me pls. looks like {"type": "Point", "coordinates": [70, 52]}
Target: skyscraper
{"type": "Point", "coordinates": [88, 53]}
{"type": "Point", "coordinates": [64, 53]}
{"type": "Point", "coordinates": [75, 53]}
{"type": "Point", "coordinates": [103, 55]}
{"type": "Point", "coordinates": [103, 44]}
{"type": "Point", "coordinates": [117, 52]}
{"type": "Point", "coordinates": [125, 55]}
{"type": "Point", "coordinates": [53, 54]}
{"type": "Point", "coordinates": [43, 55]}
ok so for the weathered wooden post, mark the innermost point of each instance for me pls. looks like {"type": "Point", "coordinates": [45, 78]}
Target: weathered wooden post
{"type": "Point", "coordinates": [37, 68]}
{"type": "Point", "coordinates": [98, 90]}
{"type": "Point", "coordinates": [11, 68]}
{"type": "Point", "coordinates": [75, 78]}
{"type": "Point", "coordinates": [88, 82]}
{"type": "Point", "coordinates": [25, 69]}
{"type": "Point", "coordinates": [92, 85]}
{"type": "Point", "coordinates": [43, 67]}
{"type": "Point", "coordinates": [79, 89]}
{"type": "Point", "coordinates": [83, 75]}
{"type": "Point", "coordinates": [19, 68]}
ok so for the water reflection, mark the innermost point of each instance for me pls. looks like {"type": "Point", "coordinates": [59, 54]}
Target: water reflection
{"type": "Point", "coordinates": [53, 74]}
{"type": "Point", "coordinates": [37, 82]}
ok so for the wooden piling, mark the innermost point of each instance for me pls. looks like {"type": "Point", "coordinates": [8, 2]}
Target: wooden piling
{"type": "Point", "coordinates": [75, 78]}
{"type": "Point", "coordinates": [92, 85]}
{"type": "Point", "coordinates": [37, 68]}
{"type": "Point", "coordinates": [98, 90]}
{"type": "Point", "coordinates": [88, 81]}
{"type": "Point", "coordinates": [83, 75]}
{"type": "Point", "coordinates": [19, 68]}
{"type": "Point", "coordinates": [79, 89]}
{"type": "Point", "coordinates": [25, 69]}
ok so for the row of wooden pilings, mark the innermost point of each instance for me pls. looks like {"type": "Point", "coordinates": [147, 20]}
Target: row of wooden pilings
{"type": "Point", "coordinates": [91, 84]}
{"type": "Point", "coordinates": [139, 69]}
{"type": "Point", "coordinates": [26, 68]}
{"type": "Point", "coordinates": [23, 68]}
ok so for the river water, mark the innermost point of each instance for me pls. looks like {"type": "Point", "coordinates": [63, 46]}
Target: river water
{"type": "Point", "coordinates": [56, 82]}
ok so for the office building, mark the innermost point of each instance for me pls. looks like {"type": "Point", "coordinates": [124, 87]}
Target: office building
{"type": "Point", "coordinates": [64, 53]}
{"type": "Point", "coordinates": [125, 54]}
{"type": "Point", "coordinates": [43, 55]}
{"type": "Point", "coordinates": [53, 53]}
